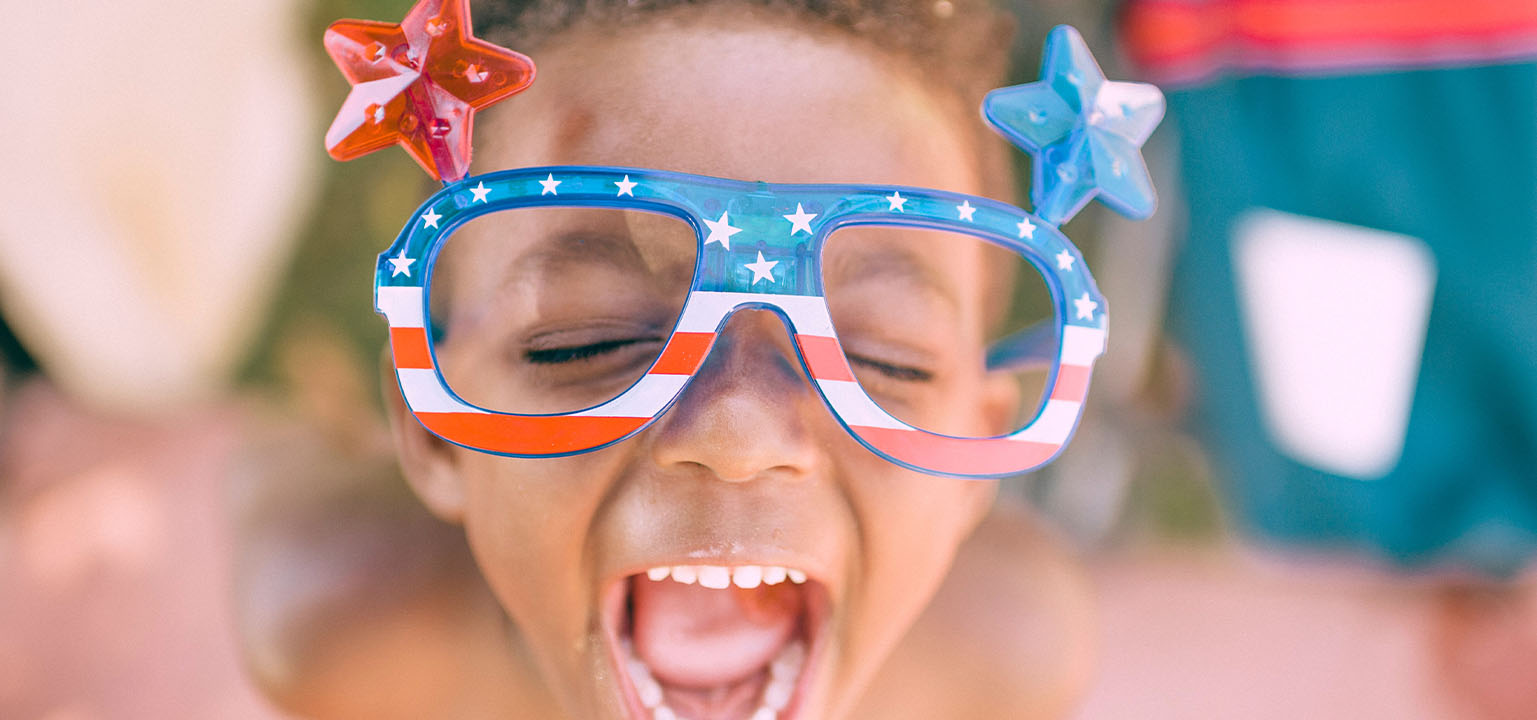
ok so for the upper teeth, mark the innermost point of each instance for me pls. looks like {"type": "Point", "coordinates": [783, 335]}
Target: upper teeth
{"type": "Point", "coordinates": [719, 577]}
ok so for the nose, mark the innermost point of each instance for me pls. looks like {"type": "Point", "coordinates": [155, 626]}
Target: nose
{"type": "Point", "coordinates": [749, 412]}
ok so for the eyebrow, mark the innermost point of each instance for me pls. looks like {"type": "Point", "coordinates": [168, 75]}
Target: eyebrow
{"type": "Point", "coordinates": [582, 247]}
{"type": "Point", "coordinates": [888, 264]}
{"type": "Point", "coordinates": [557, 254]}
{"type": "Point", "coordinates": [560, 251]}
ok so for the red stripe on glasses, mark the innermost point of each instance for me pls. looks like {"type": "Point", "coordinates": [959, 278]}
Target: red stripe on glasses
{"type": "Point", "coordinates": [1072, 383]}
{"type": "Point", "coordinates": [683, 353]}
{"type": "Point", "coordinates": [528, 435]}
{"type": "Point", "coordinates": [963, 456]}
{"type": "Point", "coordinates": [825, 357]}
{"type": "Point", "coordinates": [410, 347]}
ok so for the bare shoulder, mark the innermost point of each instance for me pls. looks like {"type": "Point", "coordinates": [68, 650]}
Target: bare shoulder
{"type": "Point", "coordinates": [351, 600]}
{"type": "Point", "coordinates": [1009, 634]}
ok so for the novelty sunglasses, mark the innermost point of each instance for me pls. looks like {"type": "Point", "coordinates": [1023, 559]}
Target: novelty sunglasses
{"type": "Point", "coordinates": [750, 245]}
{"type": "Point", "coordinates": [758, 246]}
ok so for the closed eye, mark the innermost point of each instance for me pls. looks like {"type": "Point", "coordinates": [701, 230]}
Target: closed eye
{"type": "Point", "coordinates": [895, 372]}
{"type": "Point", "coordinates": [574, 353]}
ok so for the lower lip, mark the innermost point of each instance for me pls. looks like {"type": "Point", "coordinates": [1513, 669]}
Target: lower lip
{"type": "Point", "coordinates": [816, 617]}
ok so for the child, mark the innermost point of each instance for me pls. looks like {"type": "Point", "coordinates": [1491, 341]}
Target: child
{"type": "Point", "coordinates": [745, 545]}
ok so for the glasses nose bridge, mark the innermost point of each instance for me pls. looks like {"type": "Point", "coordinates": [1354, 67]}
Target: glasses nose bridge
{"type": "Point", "coordinates": [768, 306]}
{"type": "Point", "coordinates": [750, 307]}
{"type": "Point", "coordinates": [808, 328]}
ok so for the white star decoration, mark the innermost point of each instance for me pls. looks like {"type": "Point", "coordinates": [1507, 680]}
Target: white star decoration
{"type": "Point", "coordinates": [1026, 228]}
{"type": "Point", "coordinates": [625, 187]}
{"type": "Point", "coordinates": [966, 210]}
{"type": "Point", "coordinates": [1086, 307]}
{"type": "Point", "coordinates": [721, 230]}
{"type": "Point", "coordinates": [480, 192]}
{"type": "Point", "coordinates": [800, 220]}
{"type": "Point", "coordinates": [1064, 260]}
{"type": "Point", "coordinates": [762, 270]}
{"type": "Point", "coordinates": [897, 201]}
{"type": "Point", "coordinates": [549, 183]}
{"type": "Point", "coordinates": [402, 264]}
{"type": "Point", "coordinates": [430, 220]}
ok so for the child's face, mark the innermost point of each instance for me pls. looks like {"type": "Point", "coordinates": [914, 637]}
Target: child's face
{"type": "Point", "coordinates": [748, 468]}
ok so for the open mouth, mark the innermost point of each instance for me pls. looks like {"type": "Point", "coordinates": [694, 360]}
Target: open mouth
{"type": "Point", "coordinates": [710, 642]}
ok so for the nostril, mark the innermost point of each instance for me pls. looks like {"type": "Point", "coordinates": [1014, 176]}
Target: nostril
{"type": "Point", "coordinates": [785, 472]}
{"type": "Point", "coordinates": [740, 423]}
{"type": "Point", "coordinates": [696, 468]}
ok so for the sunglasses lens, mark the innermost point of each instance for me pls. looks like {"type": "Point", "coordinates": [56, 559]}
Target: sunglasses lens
{"type": "Point", "coordinates": [555, 310]}
{"type": "Point", "coordinates": [924, 317]}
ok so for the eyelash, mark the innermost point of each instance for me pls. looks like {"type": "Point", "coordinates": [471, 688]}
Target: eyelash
{"type": "Point", "coordinates": [895, 372]}
{"type": "Point", "coordinates": [555, 356]}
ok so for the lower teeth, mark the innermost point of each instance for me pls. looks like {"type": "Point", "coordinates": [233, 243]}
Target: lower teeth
{"type": "Point", "coordinates": [783, 672]}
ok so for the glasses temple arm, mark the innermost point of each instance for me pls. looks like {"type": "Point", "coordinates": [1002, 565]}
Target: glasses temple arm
{"type": "Point", "coordinates": [1032, 347]}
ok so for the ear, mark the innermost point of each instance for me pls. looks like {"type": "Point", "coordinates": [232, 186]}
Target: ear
{"type": "Point", "coordinates": [427, 461]}
{"type": "Point", "coordinates": [1000, 401]}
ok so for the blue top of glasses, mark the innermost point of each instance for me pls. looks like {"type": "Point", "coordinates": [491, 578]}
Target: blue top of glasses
{"type": "Point", "coordinates": [738, 220]}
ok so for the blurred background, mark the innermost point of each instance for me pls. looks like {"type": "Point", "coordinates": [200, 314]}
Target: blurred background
{"type": "Point", "coordinates": [1308, 487]}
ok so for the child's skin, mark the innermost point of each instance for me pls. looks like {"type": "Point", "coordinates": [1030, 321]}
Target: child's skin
{"type": "Point", "coordinates": [748, 467]}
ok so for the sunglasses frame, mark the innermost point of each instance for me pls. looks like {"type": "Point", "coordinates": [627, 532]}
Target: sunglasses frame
{"type": "Point", "coordinates": [731, 217]}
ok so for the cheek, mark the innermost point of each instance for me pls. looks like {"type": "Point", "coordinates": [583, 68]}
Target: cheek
{"type": "Point", "coordinates": [914, 525]}
{"type": "Point", "coordinates": [911, 527]}
{"type": "Point", "coordinates": [527, 521]}
{"type": "Point", "coordinates": [964, 402]}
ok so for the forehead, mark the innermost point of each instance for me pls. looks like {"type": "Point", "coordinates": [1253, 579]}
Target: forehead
{"type": "Point", "coordinates": [743, 96]}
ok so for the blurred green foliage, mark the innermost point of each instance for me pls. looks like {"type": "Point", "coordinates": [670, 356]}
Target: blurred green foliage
{"type": "Point", "coordinates": [359, 209]}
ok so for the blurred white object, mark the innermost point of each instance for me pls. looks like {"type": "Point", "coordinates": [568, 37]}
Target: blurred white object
{"type": "Point", "coordinates": [1335, 319]}
{"type": "Point", "coordinates": [157, 156]}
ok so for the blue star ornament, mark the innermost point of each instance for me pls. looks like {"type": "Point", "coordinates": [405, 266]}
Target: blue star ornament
{"type": "Point", "coordinates": [1085, 133]}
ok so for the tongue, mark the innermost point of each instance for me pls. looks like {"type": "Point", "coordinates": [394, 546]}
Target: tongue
{"type": "Point", "coordinates": [698, 638]}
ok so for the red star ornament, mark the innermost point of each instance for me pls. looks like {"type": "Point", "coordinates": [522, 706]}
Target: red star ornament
{"type": "Point", "coordinates": [419, 84]}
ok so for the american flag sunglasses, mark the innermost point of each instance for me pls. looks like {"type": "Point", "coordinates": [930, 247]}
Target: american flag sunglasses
{"type": "Point", "coordinates": [758, 246]}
